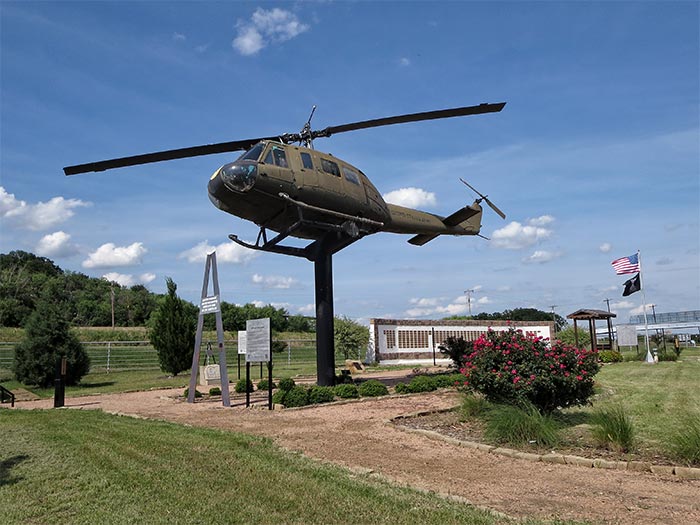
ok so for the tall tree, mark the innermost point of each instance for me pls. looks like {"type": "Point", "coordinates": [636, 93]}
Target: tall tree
{"type": "Point", "coordinates": [351, 338]}
{"type": "Point", "coordinates": [48, 338]}
{"type": "Point", "coordinates": [172, 332]}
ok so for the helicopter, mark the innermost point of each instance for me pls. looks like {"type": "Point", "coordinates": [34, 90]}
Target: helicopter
{"type": "Point", "coordinates": [286, 186]}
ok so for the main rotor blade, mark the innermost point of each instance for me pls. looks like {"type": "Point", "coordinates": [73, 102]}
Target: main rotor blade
{"type": "Point", "coordinates": [413, 117]}
{"type": "Point", "coordinates": [159, 156]}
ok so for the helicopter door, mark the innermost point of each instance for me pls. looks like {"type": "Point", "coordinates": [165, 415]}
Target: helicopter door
{"type": "Point", "coordinates": [278, 168]}
{"type": "Point", "coordinates": [331, 178]}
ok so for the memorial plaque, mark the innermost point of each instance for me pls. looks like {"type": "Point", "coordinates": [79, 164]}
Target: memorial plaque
{"type": "Point", "coordinates": [627, 335]}
{"type": "Point", "coordinates": [241, 341]}
{"type": "Point", "coordinates": [257, 340]}
{"type": "Point", "coordinates": [209, 305]}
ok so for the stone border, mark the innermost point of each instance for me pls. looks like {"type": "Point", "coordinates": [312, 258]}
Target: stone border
{"type": "Point", "coordinates": [560, 459]}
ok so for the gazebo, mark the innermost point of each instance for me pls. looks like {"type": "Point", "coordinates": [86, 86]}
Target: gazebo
{"type": "Point", "coordinates": [592, 316]}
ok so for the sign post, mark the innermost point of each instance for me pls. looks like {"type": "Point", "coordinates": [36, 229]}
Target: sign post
{"type": "Point", "coordinates": [210, 305]}
{"type": "Point", "coordinates": [258, 337]}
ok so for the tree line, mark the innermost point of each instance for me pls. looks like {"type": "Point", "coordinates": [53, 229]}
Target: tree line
{"type": "Point", "coordinates": [90, 301]}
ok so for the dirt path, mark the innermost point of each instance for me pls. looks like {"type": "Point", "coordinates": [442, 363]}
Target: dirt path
{"type": "Point", "coordinates": [358, 434]}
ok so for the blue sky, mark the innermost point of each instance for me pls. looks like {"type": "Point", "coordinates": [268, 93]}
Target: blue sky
{"type": "Point", "coordinates": [595, 156]}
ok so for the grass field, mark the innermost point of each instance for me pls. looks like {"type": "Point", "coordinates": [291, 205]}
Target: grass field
{"type": "Point", "coordinates": [74, 466]}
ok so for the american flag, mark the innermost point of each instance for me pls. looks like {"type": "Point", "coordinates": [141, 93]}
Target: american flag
{"type": "Point", "coordinates": [628, 264]}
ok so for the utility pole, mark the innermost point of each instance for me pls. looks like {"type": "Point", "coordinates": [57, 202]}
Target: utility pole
{"type": "Point", "coordinates": [111, 294]}
{"type": "Point", "coordinates": [554, 317]}
{"type": "Point", "coordinates": [608, 302]}
{"type": "Point", "coordinates": [469, 300]}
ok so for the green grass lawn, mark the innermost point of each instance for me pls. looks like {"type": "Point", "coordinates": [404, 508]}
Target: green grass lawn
{"type": "Point", "coordinates": [74, 466]}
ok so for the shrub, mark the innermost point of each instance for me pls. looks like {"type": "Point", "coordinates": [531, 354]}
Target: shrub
{"type": "Point", "coordinates": [263, 384]}
{"type": "Point", "coordinates": [668, 356]}
{"type": "Point", "coordinates": [297, 396]}
{"type": "Point", "coordinates": [613, 428]}
{"type": "Point", "coordinates": [287, 383]}
{"type": "Point", "coordinates": [172, 332]}
{"type": "Point", "coordinates": [216, 391]}
{"type": "Point", "coordinates": [515, 368]}
{"type": "Point", "coordinates": [278, 396]}
{"type": "Point", "coordinates": [521, 425]}
{"type": "Point", "coordinates": [422, 384]}
{"type": "Point", "coordinates": [402, 388]}
{"type": "Point", "coordinates": [47, 339]}
{"type": "Point", "coordinates": [321, 394]}
{"type": "Point", "coordinates": [610, 356]}
{"type": "Point", "coordinates": [372, 388]}
{"type": "Point", "coordinates": [685, 443]}
{"type": "Point", "coordinates": [448, 380]}
{"type": "Point", "coordinates": [346, 391]}
{"type": "Point", "coordinates": [456, 349]}
{"type": "Point", "coordinates": [350, 338]}
{"type": "Point", "coordinates": [197, 393]}
{"type": "Point", "coordinates": [241, 386]}
{"type": "Point", "coordinates": [344, 378]}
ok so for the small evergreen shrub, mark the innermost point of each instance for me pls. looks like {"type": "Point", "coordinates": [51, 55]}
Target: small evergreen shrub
{"type": "Point", "coordinates": [278, 396]}
{"type": "Point", "coordinates": [668, 356]}
{"type": "Point", "coordinates": [512, 367]}
{"type": "Point", "coordinates": [263, 384]}
{"type": "Point", "coordinates": [422, 384]}
{"type": "Point", "coordinates": [346, 391]}
{"type": "Point", "coordinates": [402, 388]}
{"type": "Point", "coordinates": [610, 356]}
{"type": "Point", "coordinates": [297, 396]}
{"type": "Point", "coordinates": [216, 391]}
{"type": "Point", "coordinates": [526, 425]}
{"type": "Point", "coordinates": [287, 383]}
{"type": "Point", "coordinates": [197, 393]}
{"type": "Point", "coordinates": [685, 443]}
{"type": "Point", "coordinates": [457, 349]}
{"type": "Point", "coordinates": [613, 428]}
{"type": "Point", "coordinates": [241, 386]}
{"type": "Point", "coordinates": [372, 388]}
{"type": "Point", "coordinates": [321, 394]}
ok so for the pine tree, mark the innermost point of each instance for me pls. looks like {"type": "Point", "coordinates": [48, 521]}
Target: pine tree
{"type": "Point", "coordinates": [48, 337]}
{"type": "Point", "coordinates": [172, 333]}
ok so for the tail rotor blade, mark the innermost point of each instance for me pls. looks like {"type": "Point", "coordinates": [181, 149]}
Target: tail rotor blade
{"type": "Point", "coordinates": [485, 198]}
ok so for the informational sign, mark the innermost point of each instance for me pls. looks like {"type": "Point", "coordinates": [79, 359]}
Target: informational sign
{"type": "Point", "coordinates": [257, 340]}
{"type": "Point", "coordinates": [626, 335]}
{"type": "Point", "coordinates": [210, 305]}
{"type": "Point", "coordinates": [241, 341]}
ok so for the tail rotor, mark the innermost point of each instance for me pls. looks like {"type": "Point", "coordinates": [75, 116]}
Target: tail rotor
{"type": "Point", "coordinates": [485, 199]}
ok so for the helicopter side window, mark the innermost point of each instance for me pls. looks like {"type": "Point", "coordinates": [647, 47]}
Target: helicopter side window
{"type": "Point", "coordinates": [351, 176]}
{"type": "Point", "coordinates": [330, 167]}
{"type": "Point", "coordinates": [306, 161]}
{"type": "Point", "coordinates": [280, 157]}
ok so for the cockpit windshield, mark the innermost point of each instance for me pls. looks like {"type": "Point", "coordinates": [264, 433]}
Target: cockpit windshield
{"type": "Point", "coordinates": [253, 153]}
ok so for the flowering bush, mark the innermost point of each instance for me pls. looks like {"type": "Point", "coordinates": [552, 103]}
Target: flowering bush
{"type": "Point", "coordinates": [512, 367]}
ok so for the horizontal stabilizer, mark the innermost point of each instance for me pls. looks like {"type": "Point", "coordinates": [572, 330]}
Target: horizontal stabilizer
{"type": "Point", "coordinates": [460, 216]}
{"type": "Point", "coordinates": [420, 240]}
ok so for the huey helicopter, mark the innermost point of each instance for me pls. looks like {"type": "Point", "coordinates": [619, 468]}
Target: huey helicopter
{"type": "Point", "coordinates": [295, 190]}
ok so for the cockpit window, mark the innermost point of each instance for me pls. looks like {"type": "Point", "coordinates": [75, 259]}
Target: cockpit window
{"type": "Point", "coordinates": [253, 153]}
{"type": "Point", "coordinates": [330, 167]}
{"type": "Point", "coordinates": [306, 161]}
{"type": "Point", "coordinates": [351, 176]}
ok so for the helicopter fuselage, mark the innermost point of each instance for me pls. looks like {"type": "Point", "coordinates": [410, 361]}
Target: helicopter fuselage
{"type": "Point", "coordinates": [263, 184]}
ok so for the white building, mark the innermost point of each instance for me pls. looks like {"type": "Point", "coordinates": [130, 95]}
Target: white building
{"type": "Point", "coordinates": [401, 341]}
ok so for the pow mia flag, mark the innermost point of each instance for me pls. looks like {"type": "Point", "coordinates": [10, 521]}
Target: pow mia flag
{"type": "Point", "coordinates": [632, 285]}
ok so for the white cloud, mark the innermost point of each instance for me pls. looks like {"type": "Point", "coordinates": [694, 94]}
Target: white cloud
{"type": "Point", "coordinates": [110, 255]}
{"type": "Point", "coordinates": [309, 309]}
{"type": "Point", "coordinates": [622, 305]}
{"type": "Point", "coordinates": [411, 197]}
{"type": "Point", "coordinates": [56, 244]}
{"type": "Point", "coordinates": [515, 236]}
{"type": "Point", "coordinates": [484, 300]}
{"type": "Point", "coordinates": [640, 310]}
{"type": "Point", "coordinates": [127, 279]}
{"type": "Point", "coordinates": [227, 252]}
{"type": "Point", "coordinates": [38, 216]}
{"type": "Point", "coordinates": [404, 62]}
{"type": "Point", "coordinates": [541, 256]}
{"type": "Point", "coordinates": [179, 37]}
{"type": "Point", "coordinates": [605, 247]}
{"type": "Point", "coordinates": [266, 26]}
{"type": "Point", "coordinates": [274, 281]}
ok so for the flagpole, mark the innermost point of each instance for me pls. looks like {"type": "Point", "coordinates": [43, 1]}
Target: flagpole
{"type": "Point", "coordinates": [649, 357]}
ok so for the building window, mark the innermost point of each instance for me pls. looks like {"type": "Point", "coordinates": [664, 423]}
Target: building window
{"type": "Point", "coordinates": [390, 338]}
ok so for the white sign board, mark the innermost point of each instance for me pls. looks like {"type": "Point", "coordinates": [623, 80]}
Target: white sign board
{"type": "Point", "coordinates": [257, 340]}
{"type": "Point", "coordinates": [626, 335]}
{"type": "Point", "coordinates": [210, 305]}
{"type": "Point", "coordinates": [241, 341]}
